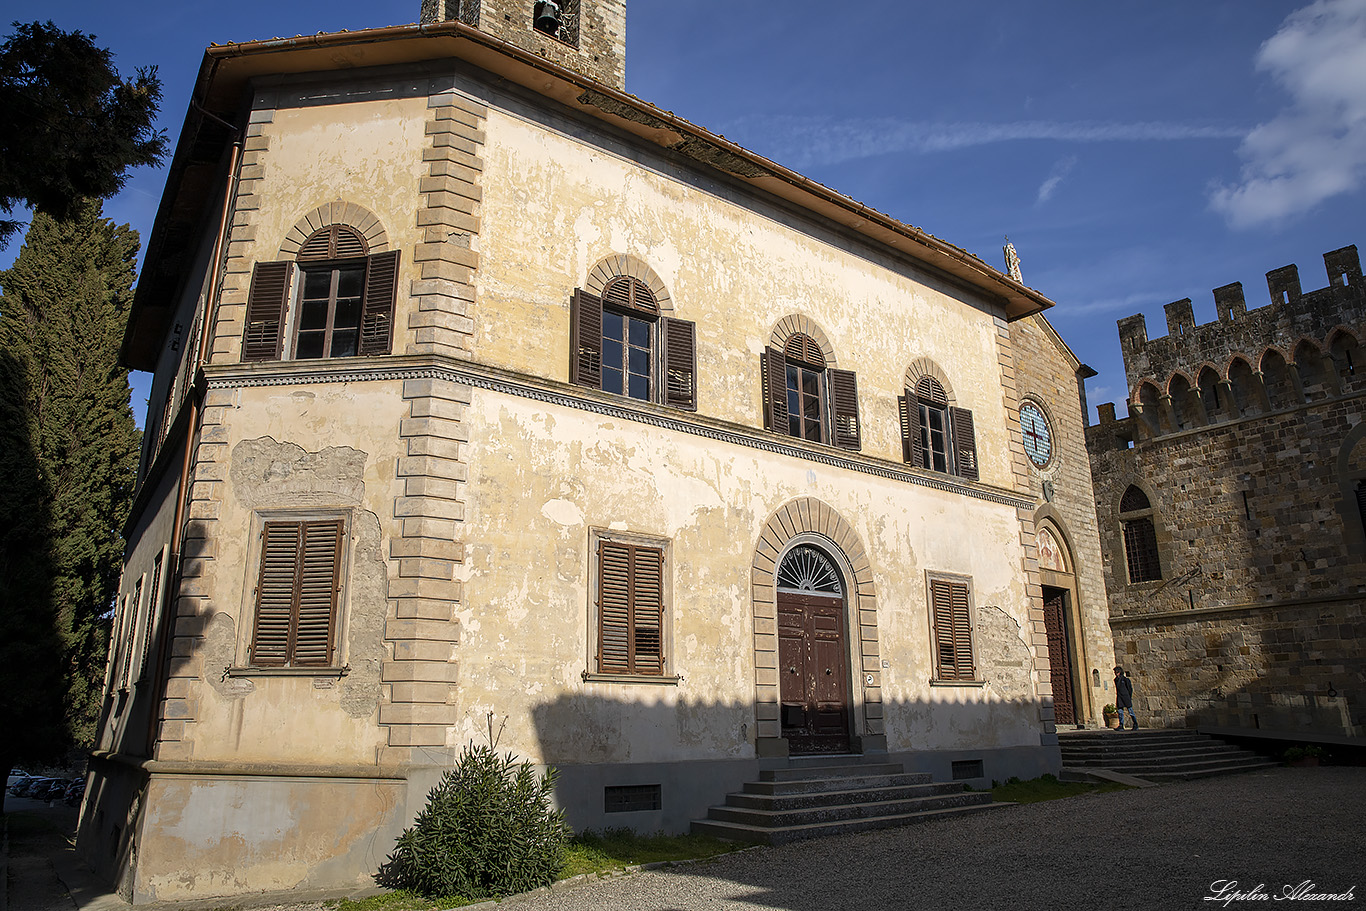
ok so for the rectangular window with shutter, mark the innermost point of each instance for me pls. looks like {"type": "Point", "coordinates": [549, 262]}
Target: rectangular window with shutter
{"type": "Point", "coordinates": [297, 593]}
{"type": "Point", "coordinates": [951, 625]}
{"type": "Point", "coordinates": [629, 601]}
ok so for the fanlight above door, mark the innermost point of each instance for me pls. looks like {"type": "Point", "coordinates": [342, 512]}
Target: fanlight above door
{"type": "Point", "coordinates": [806, 569]}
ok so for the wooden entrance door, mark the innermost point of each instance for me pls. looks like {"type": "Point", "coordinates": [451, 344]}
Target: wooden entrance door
{"type": "Point", "coordinates": [1059, 655]}
{"type": "Point", "coordinates": [813, 668]}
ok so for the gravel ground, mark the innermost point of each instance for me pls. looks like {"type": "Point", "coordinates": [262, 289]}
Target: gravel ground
{"type": "Point", "coordinates": [1155, 848]}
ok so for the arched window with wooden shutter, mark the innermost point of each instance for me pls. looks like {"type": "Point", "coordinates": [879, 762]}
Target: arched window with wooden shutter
{"type": "Point", "coordinates": [342, 297]}
{"type": "Point", "coordinates": [806, 399]}
{"type": "Point", "coordinates": [935, 434]}
{"type": "Point", "coordinates": [620, 342]}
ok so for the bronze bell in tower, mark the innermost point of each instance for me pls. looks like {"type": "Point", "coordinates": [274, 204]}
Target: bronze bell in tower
{"type": "Point", "coordinates": [547, 17]}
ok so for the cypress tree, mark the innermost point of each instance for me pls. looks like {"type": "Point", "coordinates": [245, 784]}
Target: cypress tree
{"type": "Point", "coordinates": [68, 464]}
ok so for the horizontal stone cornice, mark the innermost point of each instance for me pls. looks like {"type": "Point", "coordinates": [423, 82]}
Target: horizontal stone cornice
{"type": "Point", "coordinates": [1195, 615]}
{"type": "Point", "coordinates": [414, 367]}
{"type": "Point", "coordinates": [250, 769]}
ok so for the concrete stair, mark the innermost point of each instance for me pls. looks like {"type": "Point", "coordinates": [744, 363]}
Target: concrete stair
{"type": "Point", "coordinates": [835, 795]}
{"type": "Point", "coordinates": [1156, 755]}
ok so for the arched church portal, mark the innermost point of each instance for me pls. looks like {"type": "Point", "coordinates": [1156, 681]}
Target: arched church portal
{"type": "Point", "coordinates": [1062, 625]}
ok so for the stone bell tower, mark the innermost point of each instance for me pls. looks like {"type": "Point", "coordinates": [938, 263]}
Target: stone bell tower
{"type": "Point", "coordinates": [585, 35]}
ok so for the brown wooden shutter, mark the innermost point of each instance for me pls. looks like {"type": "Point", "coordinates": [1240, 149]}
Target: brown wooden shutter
{"type": "Point", "coordinates": [964, 443]}
{"type": "Point", "coordinates": [585, 340]}
{"type": "Point", "coordinates": [680, 363]}
{"type": "Point", "coordinates": [844, 408]}
{"type": "Point", "coordinates": [910, 429]}
{"type": "Point", "coordinates": [614, 607]}
{"type": "Point", "coordinates": [630, 609]}
{"type": "Point", "coordinates": [377, 314]}
{"type": "Point", "coordinates": [647, 610]}
{"type": "Point", "coordinates": [773, 367]}
{"type": "Point", "coordinates": [319, 571]}
{"type": "Point", "coordinates": [952, 630]}
{"type": "Point", "coordinates": [962, 632]}
{"type": "Point", "coordinates": [275, 594]}
{"type": "Point", "coordinates": [296, 595]}
{"type": "Point", "coordinates": [262, 339]}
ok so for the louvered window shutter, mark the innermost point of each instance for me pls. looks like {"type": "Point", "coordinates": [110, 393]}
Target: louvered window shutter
{"type": "Point", "coordinates": [630, 609]}
{"type": "Point", "coordinates": [910, 429]}
{"type": "Point", "coordinates": [585, 340]}
{"type": "Point", "coordinates": [647, 610]}
{"type": "Point", "coordinates": [296, 595]}
{"type": "Point", "coordinates": [275, 594]}
{"type": "Point", "coordinates": [952, 630]}
{"type": "Point", "coordinates": [263, 336]}
{"type": "Point", "coordinates": [844, 408]}
{"type": "Point", "coordinates": [773, 366]}
{"type": "Point", "coordinates": [377, 314]}
{"type": "Point", "coordinates": [614, 608]}
{"type": "Point", "coordinates": [964, 443]}
{"type": "Point", "coordinates": [680, 363]}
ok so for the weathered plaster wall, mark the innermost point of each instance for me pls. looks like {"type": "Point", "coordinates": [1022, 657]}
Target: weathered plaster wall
{"type": "Point", "coordinates": [312, 145]}
{"type": "Point", "coordinates": [541, 476]}
{"type": "Point", "coordinates": [557, 203]}
{"type": "Point", "coordinates": [280, 456]}
{"type": "Point", "coordinates": [206, 835]}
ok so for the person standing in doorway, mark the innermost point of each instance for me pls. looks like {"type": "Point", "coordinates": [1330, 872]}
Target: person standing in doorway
{"type": "Point", "coordinates": [1124, 697]}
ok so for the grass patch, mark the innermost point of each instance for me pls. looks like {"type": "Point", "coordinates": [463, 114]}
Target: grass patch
{"type": "Point", "coordinates": [398, 900]}
{"type": "Point", "coordinates": [1049, 787]}
{"type": "Point", "coordinates": [592, 852]}
{"type": "Point", "coordinates": [617, 849]}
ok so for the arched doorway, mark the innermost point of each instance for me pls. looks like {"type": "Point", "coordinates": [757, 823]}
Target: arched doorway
{"type": "Point", "coordinates": [1060, 624]}
{"type": "Point", "coordinates": [813, 665]}
{"type": "Point", "coordinates": [808, 521]}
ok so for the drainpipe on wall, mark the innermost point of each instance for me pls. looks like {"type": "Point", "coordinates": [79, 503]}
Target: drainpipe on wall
{"type": "Point", "coordinates": [192, 428]}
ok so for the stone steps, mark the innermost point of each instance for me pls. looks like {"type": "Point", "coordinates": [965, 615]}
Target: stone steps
{"type": "Point", "coordinates": [1154, 755]}
{"type": "Point", "coordinates": [806, 800]}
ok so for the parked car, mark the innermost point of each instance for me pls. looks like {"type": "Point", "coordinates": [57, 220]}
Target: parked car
{"type": "Point", "coordinates": [33, 787]}
{"type": "Point", "coordinates": [15, 776]}
{"type": "Point", "coordinates": [16, 785]}
{"type": "Point", "coordinates": [74, 792]}
{"type": "Point", "coordinates": [52, 790]}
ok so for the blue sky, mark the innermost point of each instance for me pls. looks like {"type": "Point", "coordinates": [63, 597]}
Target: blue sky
{"type": "Point", "coordinates": [1135, 154]}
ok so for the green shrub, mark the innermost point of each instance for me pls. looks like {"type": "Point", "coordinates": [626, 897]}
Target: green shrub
{"type": "Point", "coordinates": [488, 831]}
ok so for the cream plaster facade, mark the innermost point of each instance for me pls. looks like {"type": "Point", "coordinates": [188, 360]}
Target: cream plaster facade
{"type": "Point", "coordinates": [472, 478]}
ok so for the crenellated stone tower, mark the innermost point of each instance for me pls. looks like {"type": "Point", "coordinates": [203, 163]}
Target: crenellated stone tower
{"type": "Point", "coordinates": [584, 35]}
{"type": "Point", "coordinates": [1232, 508]}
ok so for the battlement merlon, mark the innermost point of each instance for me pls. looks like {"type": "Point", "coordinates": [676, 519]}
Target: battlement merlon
{"type": "Point", "coordinates": [1292, 314]}
{"type": "Point", "coordinates": [1111, 433]}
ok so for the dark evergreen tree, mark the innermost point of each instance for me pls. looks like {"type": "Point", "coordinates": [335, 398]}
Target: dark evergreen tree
{"type": "Point", "coordinates": [68, 463]}
{"type": "Point", "coordinates": [72, 126]}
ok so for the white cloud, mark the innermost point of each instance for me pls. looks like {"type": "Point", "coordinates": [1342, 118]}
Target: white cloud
{"type": "Point", "coordinates": [1061, 168]}
{"type": "Point", "coordinates": [1315, 148]}
{"type": "Point", "coordinates": [804, 141]}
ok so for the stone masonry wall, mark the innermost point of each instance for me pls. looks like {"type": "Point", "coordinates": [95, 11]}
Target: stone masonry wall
{"type": "Point", "coordinates": [1257, 619]}
{"type": "Point", "coordinates": [1062, 490]}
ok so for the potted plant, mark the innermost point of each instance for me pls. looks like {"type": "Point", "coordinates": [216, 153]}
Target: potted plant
{"type": "Point", "coordinates": [1111, 715]}
{"type": "Point", "coordinates": [1304, 755]}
